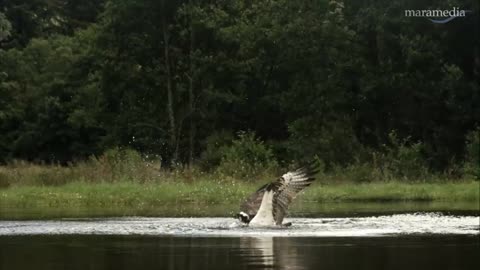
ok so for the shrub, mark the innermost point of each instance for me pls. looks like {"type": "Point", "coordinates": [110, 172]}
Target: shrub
{"type": "Point", "coordinates": [117, 164]}
{"type": "Point", "coordinates": [215, 147]}
{"type": "Point", "coordinates": [399, 159]}
{"type": "Point", "coordinates": [472, 159]}
{"type": "Point", "coordinates": [247, 157]}
{"type": "Point", "coordinates": [333, 142]}
{"type": "Point", "coordinates": [403, 158]}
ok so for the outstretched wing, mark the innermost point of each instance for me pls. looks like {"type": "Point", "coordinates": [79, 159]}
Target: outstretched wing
{"type": "Point", "coordinates": [285, 189]}
{"type": "Point", "coordinates": [288, 186]}
{"type": "Point", "coordinates": [252, 204]}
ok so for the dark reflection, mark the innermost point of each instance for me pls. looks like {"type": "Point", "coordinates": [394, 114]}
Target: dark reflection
{"type": "Point", "coordinates": [133, 252]}
{"type": "Point", "coordinates": [271, 252]}
{"type": "Point", "coordinates": [257, 251]}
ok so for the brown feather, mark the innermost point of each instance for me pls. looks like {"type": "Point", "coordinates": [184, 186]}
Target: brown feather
{"type": "Point", "coordinates": [285, 192]}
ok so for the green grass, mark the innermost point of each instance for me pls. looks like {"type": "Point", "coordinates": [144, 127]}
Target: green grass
{"type": "Point", "coordinates": [123, 194]}
{"type": "Point", "coordinates": [131, 194]}
{"type": "Point", "coordinates": [396, 191]}
{"type": "Point", "coordinates": [138, 185]}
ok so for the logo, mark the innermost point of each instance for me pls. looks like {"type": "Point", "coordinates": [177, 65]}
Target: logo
{"type": "Point", "coordinates": [437, 15]}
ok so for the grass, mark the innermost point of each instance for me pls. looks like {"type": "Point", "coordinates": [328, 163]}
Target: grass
{"type": "Point", "coordinates": [124, 194]}
{"type": "Point", "coordinates": [396, 191]}
{"type": "Point", "coordinates": [129, 182]}
{"type": "Point", "coordinates": [131, 194]}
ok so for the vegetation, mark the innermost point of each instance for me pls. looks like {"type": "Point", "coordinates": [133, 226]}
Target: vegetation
{"type": "Point", "coordinates": [121, 178]}
{"type": "Point", "coordinates": [220, 192]}
{"type": "Point", "coordinates": [358, 86]}
{"type": "Point", "coordinates": [141, 102]}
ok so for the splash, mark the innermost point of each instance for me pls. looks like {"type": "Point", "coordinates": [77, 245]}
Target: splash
{"type": "Point", "coordinates": [388, 225]}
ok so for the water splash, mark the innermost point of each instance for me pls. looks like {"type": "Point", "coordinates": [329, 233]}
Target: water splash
{"type": "Point", "coordinates": [402, 224]}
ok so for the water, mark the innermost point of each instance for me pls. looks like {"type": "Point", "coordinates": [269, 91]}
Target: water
{"type": "Point", "coordinates": [364, 239]}
{"type": "Point", "coordinates": [376, 226]}
{"type": "Point", "coordinates": [170, 252]}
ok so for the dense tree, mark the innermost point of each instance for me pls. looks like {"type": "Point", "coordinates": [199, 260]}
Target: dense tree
{"type": "Point", "coordinates": [41, 18]}
{"type": "Point", "coordinates": [332, 79]}
{"type": "Point", "coordinates": [5, 27]}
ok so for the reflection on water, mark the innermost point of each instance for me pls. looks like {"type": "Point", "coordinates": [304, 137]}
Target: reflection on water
{"type": "Point", "coordinates": [341, 236]}
{"type": "Point", "coordinates": [258, 251]}
{"type": "Point", "coordinates": [359, 253]}
{"type": "Point", "coordinates": [134, 252]}
{"type": "Point", "coordinates": [271, 252]}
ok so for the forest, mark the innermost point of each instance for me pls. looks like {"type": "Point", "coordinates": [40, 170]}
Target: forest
{"type": "Point", "coordinates": [227, 84]}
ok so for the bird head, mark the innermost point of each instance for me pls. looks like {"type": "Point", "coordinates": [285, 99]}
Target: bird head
{"type": "Point", "coordinates": [243, 217]}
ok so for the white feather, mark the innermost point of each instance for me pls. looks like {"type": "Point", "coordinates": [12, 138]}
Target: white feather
{"type": "Point", "coordinates": [287, 177]}
{"type": "Point", "coordinates": [264, 216]}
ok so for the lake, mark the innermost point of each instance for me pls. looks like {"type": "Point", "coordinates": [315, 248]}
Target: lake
{"type": "Point", "coordinates": [142, 252]}
{"type": "Point", "coordinates": [369, 238]}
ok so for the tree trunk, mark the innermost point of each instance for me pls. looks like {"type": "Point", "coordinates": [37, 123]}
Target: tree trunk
{"type": "Point", "coordinates": [191, 97]}
{"type": "Point", "coordinates": [171, 115]}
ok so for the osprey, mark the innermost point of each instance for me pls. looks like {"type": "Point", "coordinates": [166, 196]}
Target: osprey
{"type": "Point", "coordinates": [268, 205]}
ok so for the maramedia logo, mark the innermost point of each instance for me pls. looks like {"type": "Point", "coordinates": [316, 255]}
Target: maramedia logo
{"type": "Point", "coordinates": [437, 15]}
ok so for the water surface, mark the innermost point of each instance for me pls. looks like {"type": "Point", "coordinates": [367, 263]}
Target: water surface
{"type": "Point", "coordinates": [150, 252]}
{"type": "Point", "coordinates": [384, 225]}
{"type": "Point", "coordinates": [323, 236]}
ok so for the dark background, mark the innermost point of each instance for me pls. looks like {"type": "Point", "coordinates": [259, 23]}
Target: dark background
{"type": "Point", "coordinates": [344, 81]}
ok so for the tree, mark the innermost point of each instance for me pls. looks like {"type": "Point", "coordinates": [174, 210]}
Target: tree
{"type": "Point", "coordinates": [5, 27]}
{"type": "Point", "coordinates": [41, 119]}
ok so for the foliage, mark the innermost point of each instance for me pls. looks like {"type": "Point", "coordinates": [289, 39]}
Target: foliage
{"type": "Point", "coordinates": [397, 160]}
{"type": "Point", "coordinates": [165, 195]}
{"type": "Point", "coordinates": [216, 146]}
{"type": "Point", "coordinates": [472, 161]}
{"type": "Point", "coordinates": [115, 165]}
{"type": "Point", "coordinates": [309, 139]}
{"type": "Point", "coordinates": [5, 27]}
{"type": "Point", "coordinates": [247, 157]}
{"type": "Point", "coordinates": [120, 163]}
{"type": "Point", "coordinates": [325, 79]}
{"type": "Point", "coordinates": [43, 113]}
{"type": "Point", "coordinates": [42, 18]}
{"type": "Point", "coordinates": [403, 158]}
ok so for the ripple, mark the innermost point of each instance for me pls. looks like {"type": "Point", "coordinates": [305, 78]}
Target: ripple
{"type": "Point", "coordinates": [402, 224]}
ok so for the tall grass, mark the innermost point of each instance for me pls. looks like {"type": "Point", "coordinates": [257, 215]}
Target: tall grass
{"type": "Point", "coordinates": [123, 178]}
{"type": "Point", "coordinates": [112, 167]}
{"type": "Point", "coordinates": [107, 170]}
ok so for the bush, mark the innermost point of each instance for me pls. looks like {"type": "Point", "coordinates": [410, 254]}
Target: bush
{"type": "Point", "coordinates": [247, 157]}
{"type": "Point", "coordinates": [472, 160]}
{"type": "Point", "coordinates": [117, 164]}
{"type": "Point", "coordinates": [359, 172]}
{"type": "Point", "coordinates": [334, 142]}
{"type": "Point", "coordinates": [215, 147]}
{"type": "Point", "coordinates": [399, 159]}
{"type": "Point", "coordinates": [403, 159]}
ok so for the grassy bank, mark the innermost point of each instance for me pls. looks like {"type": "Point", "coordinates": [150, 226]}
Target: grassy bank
{"type": "Point", "coordinates": [125, 180]}
{"type": "Point", "coordinates": [130, 194]}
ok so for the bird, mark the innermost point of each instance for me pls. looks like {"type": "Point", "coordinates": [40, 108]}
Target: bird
{"type": "Point", "coordinates": [268, 205]}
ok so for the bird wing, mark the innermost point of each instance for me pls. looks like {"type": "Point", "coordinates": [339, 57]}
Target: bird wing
{"type": "Point", "coordinates": [288, 186]}
{"type": "Point", "coordinates": [285, 189]}
{"type": "Point", "coordinates": [253, 202]}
